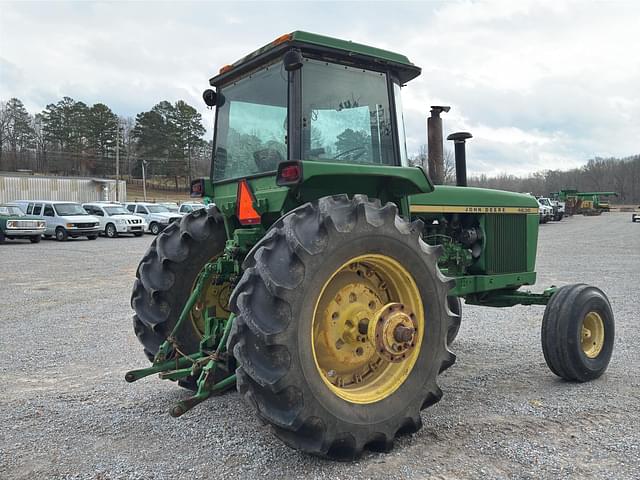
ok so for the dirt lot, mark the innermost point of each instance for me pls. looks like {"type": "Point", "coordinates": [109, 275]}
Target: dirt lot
{"type": "Point", "coordinates": [65, 412]}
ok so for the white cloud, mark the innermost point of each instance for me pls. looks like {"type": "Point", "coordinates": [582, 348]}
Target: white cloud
{"type": "Point", "coordinates": [538, 84]}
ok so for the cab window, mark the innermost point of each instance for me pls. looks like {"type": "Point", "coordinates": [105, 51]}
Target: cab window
{"type": "Point", "coordinates": [346, 115]}
{"type": "Point", "coordinates": [131, 208]}
{"type": "Point", "coordinates": [48, 211]}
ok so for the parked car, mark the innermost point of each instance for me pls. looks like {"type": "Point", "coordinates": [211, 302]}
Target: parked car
{"type": "Point", "coordinates": [556, 214]}
{"type": "Point", "coordinates": [188, 207]}
{"type": "Point", "coordinates": [155, 215]}
{"type": "Point", "coordinates": [14, 224]}
{"type": "Point", "coordinates": [635, 216]}
{"type": "Point", "coordinates": [115, 219]}
{"type": "Point", "coordinates": [546, 212]}
{"type": "Point", "coordinates": [63, 219]}
{"type": "Point", "coordinates": [171, 206]}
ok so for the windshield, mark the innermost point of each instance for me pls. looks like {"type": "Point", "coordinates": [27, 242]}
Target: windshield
{"type": "Point", "coordinates": [116, 211]}
{"type": "Point", "coordinates": [63, 209]}
{"type": "Point", "coordinates": [251, 129]}
{"type": "Point", "coordinates": [545, 201]}
{"type": "Point", "coordinates": [346, 114]}
{"type": "Point", "coordinates": [157, 209]}
{"type": "Point", "coordinates": [11, 210]}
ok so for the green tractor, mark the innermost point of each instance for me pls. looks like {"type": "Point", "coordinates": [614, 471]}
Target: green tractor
{"type": "Point", "coordinates": [324, 279]}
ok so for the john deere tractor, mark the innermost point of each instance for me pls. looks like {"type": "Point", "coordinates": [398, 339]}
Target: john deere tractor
{"type": "Point", "coordinates": [324, 279]}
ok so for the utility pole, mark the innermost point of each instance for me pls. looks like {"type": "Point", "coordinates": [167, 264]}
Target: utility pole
{"type": "Point", "coordinates": [144, 179]}
{"type": "Point", "coordinates": [118, 161]}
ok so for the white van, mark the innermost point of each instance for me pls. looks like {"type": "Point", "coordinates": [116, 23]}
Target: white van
{"type": "Point", "coordinates": [64, 219]}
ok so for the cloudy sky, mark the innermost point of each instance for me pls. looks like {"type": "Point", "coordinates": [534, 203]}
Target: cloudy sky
{"type": "Point", "coordinates": [540, 85]}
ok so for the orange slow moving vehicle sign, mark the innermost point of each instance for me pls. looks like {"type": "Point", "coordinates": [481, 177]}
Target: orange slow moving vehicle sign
{"type": "Point", "coordinates": [244, 208]}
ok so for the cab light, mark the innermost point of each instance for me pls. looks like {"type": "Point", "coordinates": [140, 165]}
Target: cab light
{"type": "Point", "coordinates": [244, 206]}
{"type": "Point", "coordinates": [283, 38]}
{"type": "Point", "coordinates": [225, 69]}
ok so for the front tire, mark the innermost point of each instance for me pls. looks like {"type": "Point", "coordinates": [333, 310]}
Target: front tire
{"type": "Point", "coordinates": [361, 261]}
{"type": "Point", "coordinates": [154, 228]}
{"type": "Point", "coordinates": [35, 239]}
{"type": "Point", "coordinates": [61, 234]}
{"type": "Point", "coordinates": [578, 333]}
{"type": "Point", "coordinates": [455, 306]}
{"type": "Point", "coordinates": [110, 231]}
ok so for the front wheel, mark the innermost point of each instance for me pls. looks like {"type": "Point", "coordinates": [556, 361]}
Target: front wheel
{"type": "Point", "coordinates": [578, 332]}
{"type": "Point", "coordinates": [110, 231]}
{"type": "Point", "coordinates": [455, 306]}
{"type": "Point", "coordinates": [35, 239]}
{"type": "Point", "coordinates": [61, 234]}
{"type": "Point", "coordinates": [154, 228]}
{"type": "Point", "coordinates": [341, 327]}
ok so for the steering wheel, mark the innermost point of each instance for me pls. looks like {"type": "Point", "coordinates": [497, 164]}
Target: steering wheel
{"type": "Point", "coordinates": [351, 154]}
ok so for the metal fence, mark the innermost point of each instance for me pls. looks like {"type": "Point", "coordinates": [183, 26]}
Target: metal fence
{"type": "Point", "coordinates": [75, 189]}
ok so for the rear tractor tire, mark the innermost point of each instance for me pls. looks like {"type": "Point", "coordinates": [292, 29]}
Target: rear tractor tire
{"type": "Point", "coordinates": [165, 278]}
{"type": "Point", "coordinates": [341, 327]}
{"type": "Point", "coordinates": [578, 333]}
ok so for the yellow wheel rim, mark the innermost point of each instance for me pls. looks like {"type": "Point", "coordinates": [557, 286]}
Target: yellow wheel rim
{"type": "Point", "coordinates": [368, 327]}
{"type": "Point", "coordinates": [213, 297]}
{"type": "Point", "coordinates": [592, 334]}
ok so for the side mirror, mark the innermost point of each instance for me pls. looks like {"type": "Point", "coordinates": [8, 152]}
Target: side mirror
{"type": "Point", "coordinates": [211, 98]}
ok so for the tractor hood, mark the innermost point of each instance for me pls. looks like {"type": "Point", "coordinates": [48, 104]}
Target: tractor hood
{"type": "Point", "coordinates": [449, 199]}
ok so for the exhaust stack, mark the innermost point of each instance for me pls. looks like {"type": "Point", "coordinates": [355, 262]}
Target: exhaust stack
{"type": "Point", "coordinates": [459, 139]}
{"type": "Point", "coordinates": [435, 144]}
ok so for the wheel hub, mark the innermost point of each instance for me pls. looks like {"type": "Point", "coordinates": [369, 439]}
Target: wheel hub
{"type": "Point", "coordinates": [367, 328]}
{"type": "Point", "coordinates": [215, 298]}
{"type": "Point", "coordinates": [394, 331]}
{"type": "Point", "coordinates": [592, 338]}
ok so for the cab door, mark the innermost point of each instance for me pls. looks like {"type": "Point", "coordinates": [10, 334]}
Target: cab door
{"type": "Point", "coordinates": [48, 214]}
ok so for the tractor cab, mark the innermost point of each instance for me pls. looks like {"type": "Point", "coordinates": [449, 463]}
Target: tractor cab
{"type": "Point", "coordinates": [308, 97]}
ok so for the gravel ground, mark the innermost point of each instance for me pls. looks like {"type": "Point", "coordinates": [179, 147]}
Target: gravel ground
{"type": "Point", "coordinates": [66, 340]}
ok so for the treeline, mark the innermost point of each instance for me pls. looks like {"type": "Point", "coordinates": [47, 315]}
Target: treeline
{"type": "Point", "coordinates": [621, 175]}
{"type": "Point", "coordinates": [72, 138]}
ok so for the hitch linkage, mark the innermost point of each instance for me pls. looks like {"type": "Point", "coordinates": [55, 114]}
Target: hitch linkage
{"type": "Point", "coordinates": [172, 364]}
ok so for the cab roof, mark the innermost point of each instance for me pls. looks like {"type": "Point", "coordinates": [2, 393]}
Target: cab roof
{"type": "Point", "coordinates": [329, 48]}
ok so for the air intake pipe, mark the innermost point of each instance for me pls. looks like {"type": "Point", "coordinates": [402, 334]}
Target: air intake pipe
{"type": "Point", "coordinates": [459, 139]}
{"type": "Point", "coordinates": [435, 157]}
